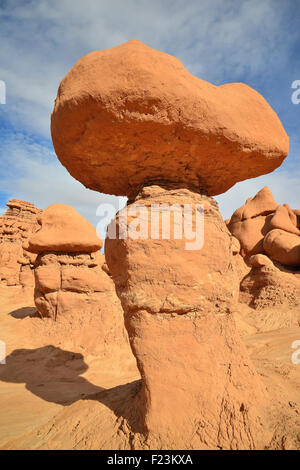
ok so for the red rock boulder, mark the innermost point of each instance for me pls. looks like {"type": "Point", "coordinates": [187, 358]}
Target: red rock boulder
{"type": "Point", "coordinates": [283, 247]}
{"type": "Point", "coordinates": [132, 116]}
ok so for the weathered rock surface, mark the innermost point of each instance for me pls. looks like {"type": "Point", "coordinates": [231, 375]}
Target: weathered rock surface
{"type": "Point", "coordinates": [268, 285]}
{"type": "Point", "coordinates": [283, 246]}
{"type": "Point", "coordinates": [270, 244]}
{"type": "Point", "coordinates": [17, 224]}
{"type": "Point", "coordinates": [132, 116]}
{"type": "Point", "coordinates": [264, 227]}
{"type": "Point", "coordinates": [196, 375]}
{"type": "Point", "coordinates": [284, 219]}
{"type": "Point", "coordinates": [50, 364]}
{"type": "Point", "coordinates": [297, 213]}
{"type": "Point", "coordinates": [64, 229]}
{"type": "Point", "coordinates": [250, 223]}
{"type": "Point", "coordinates": [70, 284]}
{"type": "Point", "coordinates": [258, 260]}
{"type": "Point", "coordinates": [65, 282]}
{"type": "Point", "coordinates": [69, 279]}
{"type": "Point", "coordinates": [132, 121]}
{"type": "Point", "coordinates": [61, 272]}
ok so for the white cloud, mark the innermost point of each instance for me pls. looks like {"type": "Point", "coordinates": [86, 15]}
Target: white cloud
{"type": "Point", "coordinates": [34, 174]}
{"type": "Point", "coordinates": [41, 40]}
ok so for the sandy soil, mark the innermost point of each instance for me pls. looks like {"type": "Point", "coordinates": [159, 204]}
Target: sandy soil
{"type": "Point", "coordinates": [58, 391]}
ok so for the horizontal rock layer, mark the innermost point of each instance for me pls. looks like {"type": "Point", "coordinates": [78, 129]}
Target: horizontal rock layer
{"type": "Point", "coordinates": [17, 224]}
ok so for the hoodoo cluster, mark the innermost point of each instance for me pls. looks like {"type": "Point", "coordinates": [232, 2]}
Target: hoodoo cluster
{"type": "Point", "coordinates": [269, 235]}
{"type": "Point", "coordinates": [132, 121]}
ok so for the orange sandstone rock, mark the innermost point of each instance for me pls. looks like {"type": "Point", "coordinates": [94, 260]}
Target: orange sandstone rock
{"type": "Point", "coordinates": [283, 219]}
{"type": "Point", "coordinates": [66, 263]}
{"type": "Point", "coordinates": [199, 388]}
{"type": "Point", "coordinates": [63, 229]}
{"type": "Point", "coordinates": [283, 246]}
{"type": "Point", "coordinates": [270, 243]}
{"type": "Point", "coordinates": [297, 214]}
{"type": "Point", "coordinates": [269, 284]}
{"type": "Point", "coordinates": [16, 225]}
{"type": "Point", "coordinates": [132, 121]}
{"type": "Point", "coordinates": [258, 260]}
{"type": "Point", "coordinates": [251, 222]}
{"type": "Point", "coordinates": [69, 279]}
{"type": "Point", "coordinates": [133, 116]}
{"type": "Point", "coordinates": [9, 265]}
{"type": "Point", "coordinates": [264, 227]}
{"type": "Point", "coordinates": [263, 203]}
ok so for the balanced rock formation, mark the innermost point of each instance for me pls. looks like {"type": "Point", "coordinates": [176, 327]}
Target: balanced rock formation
{"type": "Point", "coordinates": [132, 121]}
{"type": "Point", "coordinates": [68, 262]}
{"type": "Point", "coordinates": [270, 244]}
{"type": "Point", "coordinates": [16, 226]}
{"type": "Point", "coordinates": [284, 219]}
{"type": "Point", "coordinates": [69, 279]}
{"type": "Point", "coordinates": [132, 116]}
{"type": "Point", "coordinates": [264, 227]}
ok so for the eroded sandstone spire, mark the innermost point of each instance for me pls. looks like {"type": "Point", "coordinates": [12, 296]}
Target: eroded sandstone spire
{"type": "Point", "coordinates": [16, 225]}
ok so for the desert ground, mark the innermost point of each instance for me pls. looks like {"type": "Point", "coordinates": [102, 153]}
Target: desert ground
{"type": "Point", "coordinates": [57, 391]}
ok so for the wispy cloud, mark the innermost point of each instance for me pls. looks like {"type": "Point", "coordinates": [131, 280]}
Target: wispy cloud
{"type": "Point", "coordinates": [219, 41]}
{"type": "Point", "coordinates": [34, 174]}
{"type": "Point", "coordinates": [252, 41]}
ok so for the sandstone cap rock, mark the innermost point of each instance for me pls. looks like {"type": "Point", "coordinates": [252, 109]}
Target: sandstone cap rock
{"type": "Point", "coordinates": [133, 116]}
{"type": "Point", "coordinates": [64, 229]}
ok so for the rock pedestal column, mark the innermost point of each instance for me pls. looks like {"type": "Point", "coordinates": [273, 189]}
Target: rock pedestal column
{"type": "Point", "coordinates": [70, 284]}
{"type": "Point", "coordinates": [199, 388]}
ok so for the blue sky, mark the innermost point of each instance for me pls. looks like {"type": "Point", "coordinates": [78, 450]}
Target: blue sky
{"type": "Point", "coordinates": [256, 42]}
